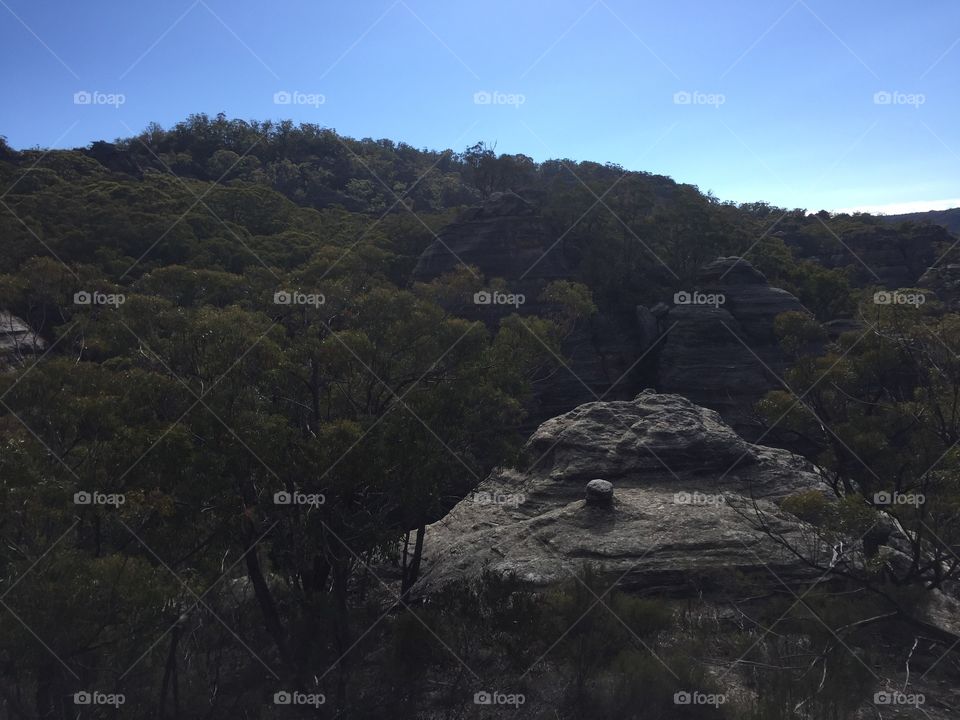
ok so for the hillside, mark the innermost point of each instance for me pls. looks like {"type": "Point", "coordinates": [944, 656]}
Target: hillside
{"type": "Point", "coordinates": [287, 414]}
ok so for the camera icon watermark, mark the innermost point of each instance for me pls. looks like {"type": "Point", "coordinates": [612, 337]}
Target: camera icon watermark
{"type": "Point", "coordinates": [95, 697]}
{"type": "Point", "coordinates": [895, 97]}
{"type": "Point", "coordinates": [495, 97]}
{"type": "Point", "coordinates": [695, 97]}
{"type": "Point", "coordinates": [698, 498]}
{"type": "Point", "coordinates": [83, 497]}
{"type": "Point", "coordinates": [698, 698]}
{"type": "Point", "coordinates": [895, 297]}
{"type": "Point", "coordinates": [85, 97]}
{"type": "Point", "coordinates": [298, 498]}
{"type": "Point", "coordinates": [295, 297]}
{"type": "Point", "coordinates": [285, 697]}
{"type": "Point", "coordinates": [295, 97]}
{"type": "Point", "coordinates": [698, 298]}
{"type": "Point", "coordinates": [887, 697]}
{"type": "Point", "coordinates": [494, 297]}
{"type": "Point", "coordinates": [894, 498]}
{"type": "Point", "coordinates": [485, 697]}
{"type": "Point", "coordinates": [86, 297]}
{"type": "Point", "coordinates": [499, 498]}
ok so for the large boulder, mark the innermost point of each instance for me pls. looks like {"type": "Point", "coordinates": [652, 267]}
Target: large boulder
{"type": "Point", "coordinates": [680, 519]}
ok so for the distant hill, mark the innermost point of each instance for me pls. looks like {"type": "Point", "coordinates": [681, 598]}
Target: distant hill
{"type": "Point", "coordinates": [949, 219]}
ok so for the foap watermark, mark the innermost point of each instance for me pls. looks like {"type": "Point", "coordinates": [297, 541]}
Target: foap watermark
{"type": "Point", "coordinates": [895, 697]}
{"type": "Point", "coordinates": [96, 497]}
{"type": "Point", "coordinates": [895, 97]}
{"type": "Point", "coordinates": [495, 297]}
{"type": "Point", "coordinates": [499, 498]}
{"type": "Point", "coordinates": [698, 698]}
{"type": "Point", "coordinates": [486, 97]}
{"type": "Point", "coordinates": [284, 697]}
{"type": "Point", "coordinates": [486, 697]}
{"type": "Point", "coordinates": [95, 697]}
{"type": "Point", "coordinates": [895, 297]}
{"type": "Point", "coordinates": [85, 97]}
{"type": "Point", "coordinates": [698, 298]}
{"type": "Point", "coordinates": [85, 297]}
{"type": "Point", "coordinates": [298, 498]}
{"type": "Point", "coordinates": [697, 498]}
{"type": "Point", "coordinates": [295, 297]}
{"type": "Point", "coordinates": [295, 97]}
{"type": "Point", "coordinates": [686, 97]}
{"type": "Point", "coordinates": [895, 498]}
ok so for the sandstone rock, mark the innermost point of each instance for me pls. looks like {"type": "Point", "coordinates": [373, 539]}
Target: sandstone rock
{"type": "Point", "coordinates": [727, 357]}
{"type": "Point", "coordinates": [599, 493]}
{"type": "Point", "coordinates": [682, 516]}
{"type": "Point", "coordinates": [17, 339]}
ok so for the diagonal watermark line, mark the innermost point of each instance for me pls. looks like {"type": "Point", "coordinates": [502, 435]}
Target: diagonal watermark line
{"type": "Point", "coordinates": [39, 159]}
{"type": "Point", "coordinates": [406, 392]}
{"type": "Point", "coordinates": [197, 402]}
{"type": "Point", "coordinates": [939, 59]}
{"type": "Point", "coordinates": [40, 40]}
{"type": "Point", "coordinates": [640, 40]}
{"type": "Point", "coordinates": [799, 399]}
{"type": "Point", "coordinates": [37, 561]}
{"type": "Point", "coordinates": [36, 362]}
{"type": "Point", "coordinates": [159, 39]}
{"type": "Point", "coordinates": [599, 199]}
{"type": "Point", "coordinates": [39, 639]}
{"type": "Point", "coordinates": [408, 209]}
{"type": "Point", "coordinates": [187, 187]}
{"type": "Point", "coordinates": [238, 38]}
{"type": "Point", "coordinates": [810, 410]}
{"type": "Point", "coordinates": [597, 398]}
{"type": "Point", "coordinates": [199, 599]}
{"type": "Point", "coordinates": [400, 401]}
{"type": "Point", "coordinates": [559, 39]}
{"type": "Point", "coordinates": [439, 39]}
{"type": "Point", "coordinates": [357, 41]}
{"type": "Point", "coordinates": [757, 41]}
{"type": "Point", "coordinates": [588, 611]}
{"type": "Point", "coordinates": [40, 440]}
{"type": "Point", "coordinates": [38, 239]}
{"type": "Point", "coordinates": [399, 601]}
{"type": "Point", "coordinates": [839, 39]}
{"type": "Point", "coordinates": [197, 201]}
{"type": "Point", "coordinates": [604, 394]}
{"type": "Point", "coordinates": [396, 202]}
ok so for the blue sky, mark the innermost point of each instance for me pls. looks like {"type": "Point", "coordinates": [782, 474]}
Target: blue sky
{"type": "Point", "coordinates": [772, 100]}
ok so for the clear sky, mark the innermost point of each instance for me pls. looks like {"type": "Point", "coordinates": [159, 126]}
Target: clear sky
{"type": "Point", "coordinates": [772, 100]}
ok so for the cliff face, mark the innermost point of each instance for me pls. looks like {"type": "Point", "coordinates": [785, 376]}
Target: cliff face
{"type": "Point", "coordinates": [724, 357]}
{"type": "Point", "coordinates": [506, 238]}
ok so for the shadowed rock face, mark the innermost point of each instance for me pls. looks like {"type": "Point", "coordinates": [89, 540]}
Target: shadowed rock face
{"type": "Point", "coordinates": [507, 238]}
{"type": "Point", "coordinates": [727, 357]}
{"type": "Point", "coordinates": [681, 513]}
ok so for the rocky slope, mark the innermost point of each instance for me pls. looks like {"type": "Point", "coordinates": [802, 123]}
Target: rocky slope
{"type": "Point", "coordinates": [678, 522]}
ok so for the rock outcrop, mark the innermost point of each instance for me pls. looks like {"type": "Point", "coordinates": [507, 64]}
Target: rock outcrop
{"type": "Point", "coordinates": [681, 486]}
{"type": "Point", "coordinates": [506, 238]}
{"type": "Point", "coordinates": [17, 339]}
{"type": "Point", "coordinates": [725, 355]}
